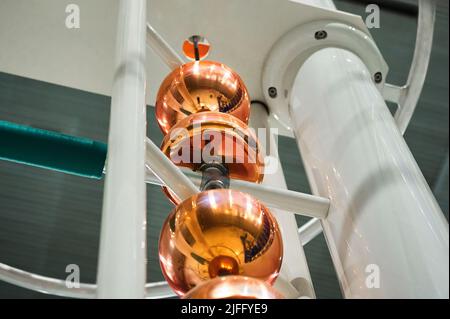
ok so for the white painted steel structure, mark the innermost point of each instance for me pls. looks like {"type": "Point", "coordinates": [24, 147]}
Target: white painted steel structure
{"type": "Point", "coordinates": [58, 287]}
{"type": "Point", "coordinates": [162, 48]}
{"type": "Point", "coordinates": [122, 255]}
{"type": "Point", "coordinates": [407, 96]}
{"type": "Point", "coordinates": [382, 211]}
{"type": "Point", "coordinates": [309, 230]}
{"type": "Point", "coordinates": [274, 197]}
{"type": "Point", "coordinates": [294, 269]}
{"type": "Point", "coordinates": [295, 47]}
{"type": "Point", "coordinates": [370, 196]}
{"type": "Point", "coordinates": [167, 173]}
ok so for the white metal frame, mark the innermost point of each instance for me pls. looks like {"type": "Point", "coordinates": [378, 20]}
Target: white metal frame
{"type": "Point", "coordinates": [122, 254]}
{"type": "Point", "coordinates": [133, 159]}
{"type": "Point", "coordinates": [274, 197]}
{"type": "Point", "coordinates": [383, 218]}
{"type": "Point", "coordinates": [407, 96]}
{"type": "Point", "coordinates": [295, 47]}
{"type": "Point", "coordinates": [59, 287]}
{"type": "Point", "coordinates": [294, 270]}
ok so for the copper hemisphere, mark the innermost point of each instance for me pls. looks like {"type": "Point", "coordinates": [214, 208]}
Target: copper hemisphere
{"type": "Point", "coordinates": [234, 287]}
{"type": "Point", "coordinates": [200, 86]}
{"type": "Point", "coordinates": [211, 136]}
{"type": "Point", "coordinates": [219, 233]}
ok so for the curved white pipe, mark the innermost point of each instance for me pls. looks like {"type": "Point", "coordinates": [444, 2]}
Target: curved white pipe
{"type": "Point", "coordinates": [58, 287]}
{"type": "Point", "coordinates": [286, 200]}
{"type": "Point", "coordinates": [409, 95]}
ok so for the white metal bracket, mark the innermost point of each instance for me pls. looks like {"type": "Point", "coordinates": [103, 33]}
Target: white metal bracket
{"type": "Point", "coordinates": [295, 47]}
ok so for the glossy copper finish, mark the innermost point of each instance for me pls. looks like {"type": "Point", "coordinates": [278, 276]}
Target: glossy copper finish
{"type": "Point", "coordinates": [198, 87]}
{"type": "Point", "coordinates": [223, 265]}
{"type": "Point", "coordinates": [236, 145]}
{"type": "Point", "coordinates": [216, 233]}
{"type": "Point", "coordinates": [189, 48]}
{"type": "Point", "coordinates": [233, 287]}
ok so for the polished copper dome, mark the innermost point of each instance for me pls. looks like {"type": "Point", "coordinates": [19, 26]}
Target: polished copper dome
{"type": "Point", "coordinates": [211, 136]}
{"type": "Point", "coordinates": [219, 233]}
{"type": "Point", "coordinates": [200, 86]}
{"type": "Point", "coordinates": [234, 287]}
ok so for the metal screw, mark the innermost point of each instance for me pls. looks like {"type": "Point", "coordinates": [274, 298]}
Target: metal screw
{"type": "Point", "coordinates": [273, 92]}
{"type": "Point", "coordinates": [378, 77]}
{"type": "Point", "coordinates": [320, 35]}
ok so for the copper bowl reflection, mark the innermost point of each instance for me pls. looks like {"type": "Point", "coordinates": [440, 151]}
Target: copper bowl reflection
{"type": "Point", "coordinates": [197, 87]}
{"type": "Point", "coordinates": [235, 145]}
{"type": "Point", "coordinates": [233, 287]}
{"type": "Point", "coordinates": [228, 139]}
{"type": "Point", "coordinates": [218, 233]}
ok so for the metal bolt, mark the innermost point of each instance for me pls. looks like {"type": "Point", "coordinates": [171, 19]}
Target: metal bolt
{"type": "Point", "coordinates": [320, 35]}
{"type": "Point", "coordinates": [378, 77]}
{"type": "Point", "coordinates": [273, 92]}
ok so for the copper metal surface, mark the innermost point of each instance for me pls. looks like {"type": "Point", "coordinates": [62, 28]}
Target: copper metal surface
{"type": "Point", "coordinates": [233, 287]}
{"type": "Point", "coordinates": [197, 87]}
{"type": "Point", "coordinates": [219, 232]}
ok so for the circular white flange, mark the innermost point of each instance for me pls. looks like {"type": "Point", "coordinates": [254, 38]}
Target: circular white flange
{"type": "Point", "coordinates": [290, 52]}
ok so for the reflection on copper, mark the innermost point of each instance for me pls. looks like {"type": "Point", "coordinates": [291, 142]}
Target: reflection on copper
{"type": "Point", "coordinates": [202, 45]}
{"type": "Point", "coordinates": [216, 233]}
{"type": "Point", "coordinates": [198, 87]}
{"type": "Point", "coordinates": [223, 265]}
{"type": "Point", "coordinates": [233, 287]}
{"type": "Point", "coordinates": [237, 145]}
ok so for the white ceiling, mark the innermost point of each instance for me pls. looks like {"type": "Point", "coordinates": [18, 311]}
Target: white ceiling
{"type": "Point", "coordinates": [35, 42]}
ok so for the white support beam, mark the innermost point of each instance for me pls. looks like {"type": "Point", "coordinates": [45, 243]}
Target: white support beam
{"type": "Point", "coordinates": [295, 267]}
{"type": "Point", "coordinates": [285, 200]}
{"type": "Point", "coordinates": [122, 255]}
{"type": "Point", "coordinates": [166, 173]}
{"type": "Point", "coordinates": [288, 201]}
{"type": "Point", "coordinates": [163, 49]}
{"type": "Point", "coordinates": [409, 94]}
{"type": "Point", "coordinates": [59, 287]}
{"type": "Point", "coordinates": [309, 231]}
{"type": "Point", "coordinates": [383, 217]}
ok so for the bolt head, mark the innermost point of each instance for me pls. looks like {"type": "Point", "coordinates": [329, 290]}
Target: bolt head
{"type": "Point", "coordinates": [273, 92]}
{"type": "Point", "coordinates": [378, 77]}
{"type": "Point", "coordinates": [321, 34]}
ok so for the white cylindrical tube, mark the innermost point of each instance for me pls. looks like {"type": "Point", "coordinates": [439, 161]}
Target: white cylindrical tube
{"type": "Point", "coordinates": [122, 255]}
{"type": "Point", "coordinates": [386, 233]}
{"type": "Point", "coordinates": [310, 230]}
{"type": "Point", "coordinates": [295, 266]}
